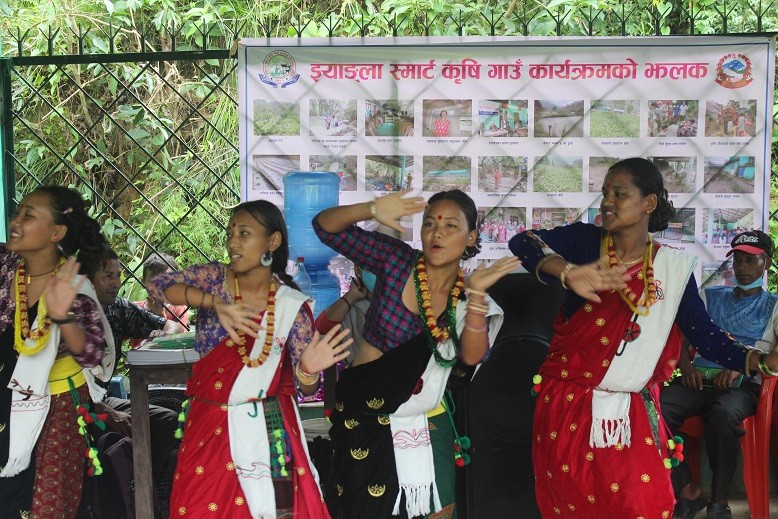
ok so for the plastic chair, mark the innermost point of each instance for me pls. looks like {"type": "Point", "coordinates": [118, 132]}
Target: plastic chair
{"type": "Point", "coordinates": [756, 450]}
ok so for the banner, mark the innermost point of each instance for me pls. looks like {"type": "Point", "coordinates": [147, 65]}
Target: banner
{"type": "Point", "coordinates": [528, 127]}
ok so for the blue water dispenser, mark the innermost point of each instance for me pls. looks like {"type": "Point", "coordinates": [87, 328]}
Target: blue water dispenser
{"type": "Point", "coordinates": [306, 193]}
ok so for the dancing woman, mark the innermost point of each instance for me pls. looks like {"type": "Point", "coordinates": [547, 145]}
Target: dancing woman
{"type": "Point", "coordinates": [52, 341]}
{"type": "Point", "coordinates": [601, 446]}
{"type": "Point", "coordinates": [243, 452]}
{"type": "Point", "coordinates": [393, 438]}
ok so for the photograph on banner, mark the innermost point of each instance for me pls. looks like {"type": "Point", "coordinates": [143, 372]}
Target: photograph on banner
{"type": "Point", "coordinates": [722, 225]}
{"type": "Point", "coordinates": [678, 173]}
{"type": "Point", "coordinates": [717, 274]}
{"type": "Point", "coordinates": [447, 117]}
{"type": "Point", "coordinates": [729, 174]}
{"type": "Point", "coordinates": [345, 166]}
{"type": "Point", "coordinates": [559, 118]}
{"type": "Point", "coordinates": [388, 172]}
{"type": "Point", "coordinates": [598, 168]}
{"type": "Point", "coordinates": [730, 118]}
{"type": "Point", "coordinates": [268, 171]}
{"type": "Point", "coordinates": [503, 118]}
{"type": "Point", "coordinates": [500, 224]}
{"type": "Point", "coordinates": [673, 118]}
{"type": "Point", "coordinates": [549, 217]}
{"type": "Point", "coordinates": [443, 173]}
{"type": "Point", "coordinates": [389, 118]}
{"type": "Point", "coordinates": [615, 118]}
{"type": "Point", "coordinates": [680, 229]}
{"type": "Point", "coordinates": [501, 174]}
{"type": "Point", "coordinates": [557, 174]}
{"type": "Point", "coordinates": [276, 118]}
{"type": "Point", "coordinates": [332, 118]}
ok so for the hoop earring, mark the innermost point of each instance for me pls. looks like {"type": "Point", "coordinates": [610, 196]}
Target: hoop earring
{"type": "Point", "coordinates": [267, 259]}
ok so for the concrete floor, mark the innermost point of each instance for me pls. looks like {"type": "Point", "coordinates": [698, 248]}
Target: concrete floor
{"type": "Point", "coordinates": [740, 509]}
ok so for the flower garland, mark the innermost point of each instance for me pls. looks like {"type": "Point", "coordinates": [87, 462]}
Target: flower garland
{"type": "Point", "coordinates": [436, 335]}
{"type": "Point", "coordinates": [22, 317]}
{"type": "Point", "coordinates": [271, 307]}
{"type": "Point", "coordinates": [641, 305]}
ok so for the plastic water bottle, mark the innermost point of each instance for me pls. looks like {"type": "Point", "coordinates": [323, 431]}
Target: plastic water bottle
{"type": "Point", "coordinates": [301, 276]}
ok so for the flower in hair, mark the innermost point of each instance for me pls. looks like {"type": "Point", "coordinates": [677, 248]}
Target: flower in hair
{"type": "Point", "coordinates": [68, 210]}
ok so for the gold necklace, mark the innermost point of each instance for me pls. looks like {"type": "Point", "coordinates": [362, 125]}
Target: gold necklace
{"type": "Point", "coordinates": [648, 297]}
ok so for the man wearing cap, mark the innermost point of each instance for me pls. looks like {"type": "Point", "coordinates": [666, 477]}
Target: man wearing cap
{"type": "Point", "coordinates": [723, 397]}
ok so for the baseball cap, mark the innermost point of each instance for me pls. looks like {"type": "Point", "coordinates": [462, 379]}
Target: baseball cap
{"type": "Point", "coordinates": [752, 242]}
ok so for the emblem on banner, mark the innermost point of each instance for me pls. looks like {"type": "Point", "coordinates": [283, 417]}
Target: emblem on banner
{"type": "Point", "coordinates": [734, 71]}
{"type": "Point", "coordinates": [279, 69]}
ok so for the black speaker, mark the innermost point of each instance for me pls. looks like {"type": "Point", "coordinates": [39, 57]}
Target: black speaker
{"type": "Point", "coordinates": [496, 409]}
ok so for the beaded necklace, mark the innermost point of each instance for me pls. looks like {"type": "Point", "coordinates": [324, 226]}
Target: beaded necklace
{"type": "Point", "coordinates": [434, 334]}
{"type": "Point", "coordinates": [22, 316]}
{"type": "Point", "coordinates": [271, 306]}
{"type": "Point", "coordinates": [642, 305]}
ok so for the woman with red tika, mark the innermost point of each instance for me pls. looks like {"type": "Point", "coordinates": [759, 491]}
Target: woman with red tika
{"type": "Point", "coordinates": [395, 447]}
{"type": "Point", "coordinates": [243, 452]}
{"type": "Point", "coordinates": [601, 447]}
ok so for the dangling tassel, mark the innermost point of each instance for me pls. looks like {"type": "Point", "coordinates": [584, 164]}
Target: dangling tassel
{"type": "Point", "coordinates": [182, 415]}
{"type": "Point", "coordinates": [86, 417]}
{"type": "Point", "coordinates": [461, 443]}
{"type": "Point", "coordinates": [280, 448]}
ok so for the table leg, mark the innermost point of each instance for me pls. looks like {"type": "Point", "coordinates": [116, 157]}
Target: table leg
{"type": "Point", "coordinates": [141, 438]}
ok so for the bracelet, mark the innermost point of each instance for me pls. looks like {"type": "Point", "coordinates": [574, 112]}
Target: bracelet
{"type": "Point", "coordinates": [483, 307]}
{"type": "Point", "coordinates": [479, 329]}
{"type": "Point", "coordinates": [306, 379]}
{"type": "Point", "coordinates": [477, 310]}
{"type": "Point", "coordinates": [69, 318]}
{"type": "Point", "coordinates": [373, 210]}
{"type": "Point", "coordinates": [470, 291]}
{"type": "Point", "coordinates": [186, 295]}
{"type": "Point", "coordinates": [202, 300]}
{"type": "Point", "coordinates": [347, 303]}
{"type": "Point", "coordinates": [748, 369]}
{"type": "Point", "coordinates": [563, 275]}
{"type": "Point", "coordinates": [764, 368]}
{"type": "Point", "coordinates": [543, 261]}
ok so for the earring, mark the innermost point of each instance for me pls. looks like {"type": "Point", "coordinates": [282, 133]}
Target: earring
{"type": "Point", "coordinates": [267, 259]}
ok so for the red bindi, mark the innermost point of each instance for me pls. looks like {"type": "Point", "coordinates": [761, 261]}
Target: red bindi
{"type": "Point", "coordinates": [233, 224]}
{"type": "Point", "coordinates": [440, 217]}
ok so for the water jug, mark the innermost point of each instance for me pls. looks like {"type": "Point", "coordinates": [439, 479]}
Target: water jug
{"type": "Point", "coordinates": [306, 193]}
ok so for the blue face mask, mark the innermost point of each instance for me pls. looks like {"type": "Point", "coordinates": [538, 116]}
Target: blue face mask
{"type": "Point", "coordinates": [754, 284]}
{"type": "Point", "coordinates": [368, 278]}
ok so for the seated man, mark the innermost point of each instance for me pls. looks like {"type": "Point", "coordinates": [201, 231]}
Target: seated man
{"type": "Point", "coordinates": [128, 321]}
{"type": "Point", "coordinates": [155, 265]}
{"type": "Point", "coordinates": [724, 398]}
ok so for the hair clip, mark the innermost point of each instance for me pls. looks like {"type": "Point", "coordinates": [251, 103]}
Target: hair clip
{"type": "Point", "coordinates": [68, 210]}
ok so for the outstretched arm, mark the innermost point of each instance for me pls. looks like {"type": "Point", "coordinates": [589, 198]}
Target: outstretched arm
{"type": "Point", "coordinates": [386, 210]}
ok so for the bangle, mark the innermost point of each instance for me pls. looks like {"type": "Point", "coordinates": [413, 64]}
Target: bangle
{"type": "Point", "coordinates": [478, 310]}
{"type": "Point", "coordinates": [347, 303]}
{"type": "Point", "coordinates": [563, 275]}
{"type": "Point", "coordinates": [748, 369]}
{"type": "Point", "coordinates": [69, 318]}
{"type": "Point", "coordinates": [764, 368]}
{"type": "Point", "coordinates": [470, 291]}
{"type": "Point", "coordinates": [186, 295]}
{"type": "Point", "coordinates": [479, 329]}
{"type": "Point", "coordinates": [373, 210]}
{"type": "Point", "coordinates": [305, 378]}
{"type": "Point", "coordinates": [202, 300]}
{"type": "Point", "coordinates": [543, 261]}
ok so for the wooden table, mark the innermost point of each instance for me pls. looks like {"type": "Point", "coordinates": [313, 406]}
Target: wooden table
{"type": "Point", "coordinates": [140, 378]}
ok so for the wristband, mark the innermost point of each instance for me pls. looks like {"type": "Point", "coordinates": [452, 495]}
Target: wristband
{"type": "Point", "coordinates": [69, 318]}
{"type": "Point", "coordinates": [563, 275]}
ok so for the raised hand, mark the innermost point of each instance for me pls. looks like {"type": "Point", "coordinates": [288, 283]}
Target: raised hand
{"type": "Point", "coordinates": [390, 208]}
{"type": "Point", "coordinates": [61, 289]}
{"type": "Point", "coordinates": [325, 350]}
{"type": "Point", "coordinates": [236, 319]}
{"type": "Point", "coordinates": [482, 278]}
{"type": "Point", "coordinates": [587, 280]}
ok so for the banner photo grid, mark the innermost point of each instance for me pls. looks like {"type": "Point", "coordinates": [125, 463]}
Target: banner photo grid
{"type": "Point", "coordinates": [527, 127]}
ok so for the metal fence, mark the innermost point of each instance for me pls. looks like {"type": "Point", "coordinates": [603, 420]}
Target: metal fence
{"type": "Point", "coordinates": [144, 123]}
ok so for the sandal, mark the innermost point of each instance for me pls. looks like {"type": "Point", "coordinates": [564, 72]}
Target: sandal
{"type": "Point", "coordinates": [686, 508]}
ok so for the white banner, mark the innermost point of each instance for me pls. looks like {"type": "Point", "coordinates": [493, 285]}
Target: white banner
{"type": "Point", "coordinates": [527, 127]}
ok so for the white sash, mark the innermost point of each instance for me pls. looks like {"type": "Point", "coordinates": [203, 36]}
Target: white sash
{"type": "Point", "coordinates": [630, 371]}
{"type": "Point", "coordinates": [410, 429]}
{"type": "Point", "coordinates": [249, 447]}
{"type": "Point", "coordinates": [29, 409]}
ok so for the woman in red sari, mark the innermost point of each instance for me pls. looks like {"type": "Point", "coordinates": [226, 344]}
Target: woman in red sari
{"type": "Point", "coordinates": [601, 446]}
{"type": "Point", "coordinates": [243, 452]}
